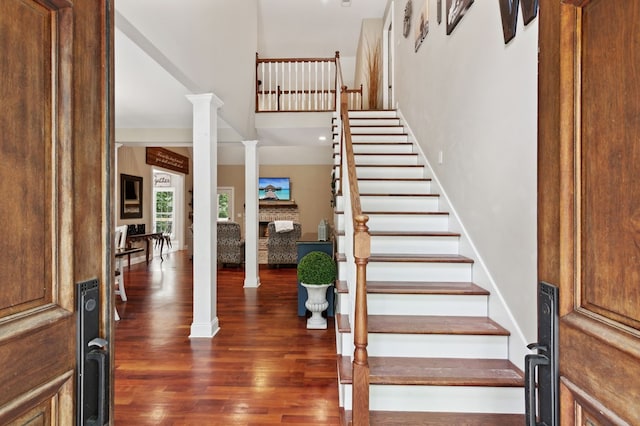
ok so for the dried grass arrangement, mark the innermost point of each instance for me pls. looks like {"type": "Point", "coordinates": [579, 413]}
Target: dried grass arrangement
{"type": "Point", "coordinates": [374, 73]}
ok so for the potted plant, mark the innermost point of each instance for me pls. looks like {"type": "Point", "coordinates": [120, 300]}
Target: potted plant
{"type": "Point", "coordinates": [316, 272]}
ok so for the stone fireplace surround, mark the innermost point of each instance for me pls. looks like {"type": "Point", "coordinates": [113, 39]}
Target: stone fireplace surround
{"type": "Point", "coordinates": [269, 212]}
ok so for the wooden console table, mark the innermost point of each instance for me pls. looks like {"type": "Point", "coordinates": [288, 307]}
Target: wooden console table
{"type": "Point", "coordinates": [159, 238]}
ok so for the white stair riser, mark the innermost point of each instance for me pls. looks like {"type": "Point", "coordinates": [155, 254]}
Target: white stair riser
{"type": "Point", "coordinates": [414, 245]}
{"type": "Point", "coordinates": [387, 160]}
{"type": "Point", "coordinates": [399, 222]}
{"type": "Point", "coordinates": [383, 160]}
{"type": "Point", "coordinates": [427, 304]}
{"type": "Point", "coordinates": [375, 203]}
{"type": "Point", "coordinates": [372, 114]}
{"type": "Point", "coordinates": [459, 399]}
{"type": "Point", "coordinates": [381, 222]}
{"type": "Point", "coordinates": [390, 172]}
{"type": "Point", "coordinates": [374, 121]}
{"type": "Point", "coordinates": [378, 148]}
{"type": "Point", "coordinates": [385, 203]}
{"type": "Point", "coordinates": [417, 271]}
{"type": "Point", "coordinates": [379, 138]}
{"type": "Point", "coordinates": [357, 129]}
{"type": "Point", "coordinates": [419, 304]}
{"type": "Point", "coordinates": [409, 244]}
{"type": "Point", "coordinates": [394, 187]}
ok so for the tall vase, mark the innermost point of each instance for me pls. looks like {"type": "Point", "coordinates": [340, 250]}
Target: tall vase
{"type": "Point", "coordinates": [316, 303]}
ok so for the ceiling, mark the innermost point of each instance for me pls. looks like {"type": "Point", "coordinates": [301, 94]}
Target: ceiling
{"type": "Point", "coordinates": [162, 49]}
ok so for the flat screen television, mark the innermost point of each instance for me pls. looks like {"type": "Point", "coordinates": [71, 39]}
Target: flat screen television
{"type": "Point", "coordinates": [274, 189]}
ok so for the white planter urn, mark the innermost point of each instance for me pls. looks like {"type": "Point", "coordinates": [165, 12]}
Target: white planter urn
{"type": "Point", "coordinates": [316, 303]}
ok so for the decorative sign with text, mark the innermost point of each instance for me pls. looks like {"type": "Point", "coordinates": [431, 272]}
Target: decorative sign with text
{"type": "Point", "coordinates": [168, 159]}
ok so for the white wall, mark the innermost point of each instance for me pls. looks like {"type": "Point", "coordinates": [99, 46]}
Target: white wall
{"type": "Point", "coordinates": [217, 45]}
{"type": "Point", "coordinates": [474, 99]}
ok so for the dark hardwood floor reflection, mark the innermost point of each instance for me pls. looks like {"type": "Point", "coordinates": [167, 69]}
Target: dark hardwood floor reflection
{"type": "Point", "coordinates": [263, 367]}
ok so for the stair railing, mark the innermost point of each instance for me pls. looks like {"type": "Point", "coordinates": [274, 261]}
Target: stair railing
{"type": "Point", "coordinates": [357, 252]}
{"type": "Point", "coordinates": [300, 84]}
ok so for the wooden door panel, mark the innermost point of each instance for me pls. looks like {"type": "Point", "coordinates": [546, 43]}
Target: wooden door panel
{"type": "Point", "coordinates": [45, 45]}
{"type": "Point", "coordinates": [25, 178]}
{"type": "Point", "coordinates": [609, 90]}
{"type": "Point", "coordinates": [37, 323]}
{"type": "Point", "coordinates": [589, 214]}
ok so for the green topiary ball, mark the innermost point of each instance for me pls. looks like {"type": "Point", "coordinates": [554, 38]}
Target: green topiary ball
{"type": "Point", "coordinates": [317, 267]}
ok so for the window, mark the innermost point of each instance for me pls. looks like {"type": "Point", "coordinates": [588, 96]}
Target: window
{"type": "Point", "coordinates": [163, 207]}
{"type": "Point", "coordinates": [225, 203]}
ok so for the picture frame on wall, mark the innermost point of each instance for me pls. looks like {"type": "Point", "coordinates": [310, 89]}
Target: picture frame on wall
{"type": "Point", "coordinates": [509, 14]}
{"type": "Point", "coordinates": [455, 11]}
{"type": "Point", "coordinates": [130, 196]}
{"type": "Point", "coordinates": [422, 27]}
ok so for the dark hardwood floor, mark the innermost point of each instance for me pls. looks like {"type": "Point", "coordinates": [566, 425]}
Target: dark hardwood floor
{"type": "Point", "coordinates": [263, 367]}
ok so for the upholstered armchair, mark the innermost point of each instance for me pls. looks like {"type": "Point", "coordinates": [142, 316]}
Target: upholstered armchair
{"type": "Point", "coordinates": [281, 246]}
{"type": "Point", "coordinates": [230, 244]}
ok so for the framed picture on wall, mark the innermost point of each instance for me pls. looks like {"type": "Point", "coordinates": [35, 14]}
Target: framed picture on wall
{"type": "Point", "coordinates": [509, 14]}
{"type": "Point", "coordinates": [130, 197]}
{"type": "Point", "coordinates": [455, 11]}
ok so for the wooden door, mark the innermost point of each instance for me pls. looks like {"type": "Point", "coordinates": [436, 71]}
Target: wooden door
{"type": "Point", "coordinates": [589, 202]}
{"type": "Point", "coordinates": [54, 180]}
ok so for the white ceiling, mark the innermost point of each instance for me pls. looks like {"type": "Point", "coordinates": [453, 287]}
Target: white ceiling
{"type": "Point", "coordinates": [161, 46]}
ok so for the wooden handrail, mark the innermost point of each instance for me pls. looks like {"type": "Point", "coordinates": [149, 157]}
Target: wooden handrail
{"type": "Point", "coordinates": [361, 252]}
{"type": "Point", "coordinates": [294, 59]}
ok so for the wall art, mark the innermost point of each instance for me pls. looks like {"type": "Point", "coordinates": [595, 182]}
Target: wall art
{"type": "Point", "coordinates": [406, 27]}
{"type": "Point", "coordinates": [455, 10]}
{"type": "Point", "coordinates": [509, 14]}
{"type": "Point", "coordinates": [422, 29]}
{"type": "Point", "coordinates": [529, 10]}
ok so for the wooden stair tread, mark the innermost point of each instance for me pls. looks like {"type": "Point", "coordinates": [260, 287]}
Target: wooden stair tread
{"type": "Point", "coordinates": [375, 143]}
{"type": "Point", "coordinates": [395, 179]}
{"type": "Point", "coordinates": [411, 257]}
{"type": "Point", "coordinates": [426, 258]}
{"type": "Point", "coordinates": [389, 165]}
{"type": "Point", "coordinates": [437, 372]}
{"type": "Point", "coordinates": [405, 418]}
{"type": "Point", "coordinates": [386, 154]}
{"type": "Point", "coordinates": [428, 324]}
{"type": "Point", "coordinates": [435, 324]}
{"type": "Point", "coordinates": [401, 213]}
{"type": "Point", "coordinates": [418, 287]}
{"type": "Point", "coordinates": [378, 134]}
{"type": "Point", "coordinates": [407, 233]}
{"type": "Point", "coordinates": [375, 194]}
{"type": "Point", "coordinates": [413, 234]}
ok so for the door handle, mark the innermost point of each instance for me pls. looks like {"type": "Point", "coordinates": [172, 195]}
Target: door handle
{"type": "Point", "coordinates": [99, 354]}
{"type": "Point", "coordinates": [531, 362]}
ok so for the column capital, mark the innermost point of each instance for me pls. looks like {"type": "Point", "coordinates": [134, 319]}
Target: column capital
{"type": "Point", "coordinates": [205, 97]}
{"type": "Point", "coordinates": [250, 144]}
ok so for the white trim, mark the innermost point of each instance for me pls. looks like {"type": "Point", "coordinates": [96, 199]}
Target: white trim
{"type": "Point", "coordinates": [388, 54]}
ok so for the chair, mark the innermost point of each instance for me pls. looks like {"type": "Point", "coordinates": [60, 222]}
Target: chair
{"type": "Point", "coordinates": [281, 246]}
{"type": "Point", "coordinates": [230, 244]}
{"type": "Point", "coordinates": [120, 240]}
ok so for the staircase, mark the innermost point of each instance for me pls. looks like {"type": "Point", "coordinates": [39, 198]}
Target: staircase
{"type": "Point", "coordinates": [435, 357]}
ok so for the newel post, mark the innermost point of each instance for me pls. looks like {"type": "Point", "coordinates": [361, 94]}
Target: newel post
{"type": "Point", "coordinates": [362, 251]}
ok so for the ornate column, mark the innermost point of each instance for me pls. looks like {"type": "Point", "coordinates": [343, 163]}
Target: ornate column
{"type": "Point", "coordinates": [205, 206]}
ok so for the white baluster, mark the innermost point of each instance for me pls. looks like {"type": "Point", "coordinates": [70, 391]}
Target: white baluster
{"type": "Point", "coordinates": [270, 91]}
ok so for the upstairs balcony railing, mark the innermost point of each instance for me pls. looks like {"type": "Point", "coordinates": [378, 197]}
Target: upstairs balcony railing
{"type": "Point", "coordinates": [300, 84]}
